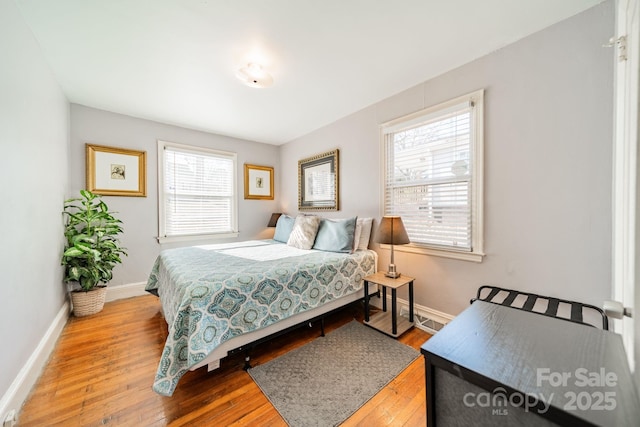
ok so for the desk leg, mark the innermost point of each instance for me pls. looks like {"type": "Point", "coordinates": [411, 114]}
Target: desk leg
{"type": "Point", "coordinates": [431, 389]}
{"type": "Point", "coordinates": [366, 301]}
{"type": "Point", "coordinates": [411, 301]}
{"type": "Point", "coordinates": [384, 298]}
{"type": "Point", "coordinates": [394, 314]}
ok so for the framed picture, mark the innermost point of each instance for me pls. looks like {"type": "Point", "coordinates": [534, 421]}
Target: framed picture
{"type": "Point", "coordinates": [318, 182]}
{"type": "Point", "coordinates": [258, 182]}
{"type": "Point", "coordinates": [116, 171]}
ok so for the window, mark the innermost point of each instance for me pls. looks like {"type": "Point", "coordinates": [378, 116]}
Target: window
{"type": "Point", "coordinates": [433, 177]}
{"type": "Point", "coordinates": [197, 193]}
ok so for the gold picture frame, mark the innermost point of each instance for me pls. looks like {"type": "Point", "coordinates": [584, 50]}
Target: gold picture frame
{"type": "Point", "coordinates": [258, 182]}
{"type": "Point", "coordinates": [318, 182]}
{"type": "Point", "coordinates": [115, 171]}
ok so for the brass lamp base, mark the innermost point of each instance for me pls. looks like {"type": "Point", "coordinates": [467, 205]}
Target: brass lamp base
{"type": "Point", "coordinates": [392, 272]}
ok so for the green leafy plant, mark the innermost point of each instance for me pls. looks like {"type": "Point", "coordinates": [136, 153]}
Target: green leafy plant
{"type": "Point", "coordinates": [92, 248]}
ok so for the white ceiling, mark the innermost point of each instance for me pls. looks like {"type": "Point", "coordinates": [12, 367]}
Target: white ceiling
{"type": "Point", "coordinates": [174, 61]}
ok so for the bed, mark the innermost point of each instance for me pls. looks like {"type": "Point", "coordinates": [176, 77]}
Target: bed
{"type": "Point", "coordinates": [217, 298]}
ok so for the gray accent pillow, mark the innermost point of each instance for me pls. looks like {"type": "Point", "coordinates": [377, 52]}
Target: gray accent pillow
{"type": "Point", "coordinates": [283, 228]}
{"type": "Point", "coordinates": [304, 232]}
{"type": "Point", "coordinates": [336, 235]}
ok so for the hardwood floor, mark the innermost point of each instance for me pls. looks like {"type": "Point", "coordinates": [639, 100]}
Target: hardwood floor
{"type": "Point", "coordinates": [103, 367]}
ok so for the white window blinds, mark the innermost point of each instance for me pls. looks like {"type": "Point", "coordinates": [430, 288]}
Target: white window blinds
{"type": "Point", "coordinates": [429, 175]}
{"type": "Point", "coordinates": [198, 191]}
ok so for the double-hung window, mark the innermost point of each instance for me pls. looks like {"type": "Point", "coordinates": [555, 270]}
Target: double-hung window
{"type": "Point", "coordinates": [197, 193]}
{"type": "Point", "coordinates": [433, 177]}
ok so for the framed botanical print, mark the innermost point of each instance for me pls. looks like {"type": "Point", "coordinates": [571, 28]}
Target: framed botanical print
{"type": "Point", "coordinates": [258, 182]}
{"type": "Point", "coordinates": [115, 171]}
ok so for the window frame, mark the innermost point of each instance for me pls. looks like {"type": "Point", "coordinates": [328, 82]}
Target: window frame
{"type": "Point", "coordinates": [162, 237]}
{"type": "Point", "coordinates": [477, 175]}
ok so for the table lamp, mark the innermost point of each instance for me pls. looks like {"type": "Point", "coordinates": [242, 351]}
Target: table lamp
{"type": "Point", "coordinates": [391, 232]}
{"type": "Point", "coordinates": [274, 219]}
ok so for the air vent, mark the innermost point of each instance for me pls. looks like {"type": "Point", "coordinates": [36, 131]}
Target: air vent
{"type": "Point", "coordinates": [422, 321]}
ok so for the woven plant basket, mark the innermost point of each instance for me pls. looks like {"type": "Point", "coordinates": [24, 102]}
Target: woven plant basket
{"type": "Point", "coordinates": [86, 303]}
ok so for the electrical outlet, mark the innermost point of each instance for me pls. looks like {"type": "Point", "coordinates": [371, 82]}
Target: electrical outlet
{"type": "Point", "coordinates": [11, 419]}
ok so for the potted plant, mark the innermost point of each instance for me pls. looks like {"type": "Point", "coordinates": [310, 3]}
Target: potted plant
{"type": "Point", "coordinates": [91, 251]}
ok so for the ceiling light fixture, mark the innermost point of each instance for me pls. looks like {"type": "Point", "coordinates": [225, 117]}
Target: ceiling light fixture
{"type": "Point", "coordinates": [255, 76]}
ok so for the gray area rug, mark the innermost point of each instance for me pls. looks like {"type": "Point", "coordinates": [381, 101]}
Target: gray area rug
{"type": "Point", "coordinates": [325, 381]}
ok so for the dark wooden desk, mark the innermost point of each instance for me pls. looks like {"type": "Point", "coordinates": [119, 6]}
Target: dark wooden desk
{"type": "Point", "coordinates": [495, 365]}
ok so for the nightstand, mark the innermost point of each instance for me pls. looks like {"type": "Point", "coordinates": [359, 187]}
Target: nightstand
{"type": "Point", "coordinates": [384, 321]}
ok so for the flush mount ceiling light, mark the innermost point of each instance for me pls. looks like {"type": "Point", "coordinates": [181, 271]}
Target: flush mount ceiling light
{"type": "Point", "coordinates": [255, 76]}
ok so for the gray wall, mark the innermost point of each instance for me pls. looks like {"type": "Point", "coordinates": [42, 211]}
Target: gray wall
{"type": "Point", "coordinates": [547, 194]}
{"type": "Point", "coordinates": [140, 214]}
{"type": "Point", "coordinates": [548, 155]}
{"type": "Point", "coordinates": [34, 129]}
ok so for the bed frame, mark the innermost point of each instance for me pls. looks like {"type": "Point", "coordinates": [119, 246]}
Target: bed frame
{"type": "Point", "coordinates": [246, 342]}
{"type": "Point", "coordinates": [173, 365]}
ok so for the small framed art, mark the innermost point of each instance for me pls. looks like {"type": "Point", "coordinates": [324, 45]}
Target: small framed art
{"type": "Point", "coordinates": [258, 182]}
{"type": "Point", "coordinates": [115, 171]}
{"type": "Point", "coordinates": [318, 182]}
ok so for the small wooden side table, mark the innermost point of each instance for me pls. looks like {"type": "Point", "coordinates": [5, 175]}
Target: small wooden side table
{"type": "Point", "coordinates": [384, 321]}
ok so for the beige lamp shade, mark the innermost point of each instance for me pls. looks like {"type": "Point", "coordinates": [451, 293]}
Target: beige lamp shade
{"type": "Point", "coordinates": [392, 232]}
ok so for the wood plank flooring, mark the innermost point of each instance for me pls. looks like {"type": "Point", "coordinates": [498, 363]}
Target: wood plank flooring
{"type": "Point", "coordinates": [103, 367]}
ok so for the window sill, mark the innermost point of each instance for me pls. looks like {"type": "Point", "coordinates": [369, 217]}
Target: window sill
{"type": "Point", "coordinates": [415, 249]}
{"type": "Point", "coordinates": [195, 237]}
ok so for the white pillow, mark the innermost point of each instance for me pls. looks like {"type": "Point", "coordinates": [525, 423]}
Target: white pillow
{"type": "Point", "coordinates": [304, 231]}
{"type": "Point", "coordinates": [365, 232]}
{"type": "Point", "coordinates": [356, 236]}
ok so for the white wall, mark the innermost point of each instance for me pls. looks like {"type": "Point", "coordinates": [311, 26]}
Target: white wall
{"type": "Point", "coordinates": [140, 214]}
{"type": "Point", "coordinates": [548, 155]}
{"type": "Point", "coordinates": [34, 129]}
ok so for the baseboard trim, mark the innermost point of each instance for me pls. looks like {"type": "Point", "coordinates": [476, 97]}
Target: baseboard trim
{"type": "Point", "coordinates": [421, 310]}
{"type": "Point", "coordinates": [125, 291]}
{"type": "Point", "coordinates": [429, 312]}
{"type": "Point", "coordinates": [21, 386]}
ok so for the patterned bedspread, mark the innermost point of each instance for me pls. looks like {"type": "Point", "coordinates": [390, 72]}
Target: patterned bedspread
{"type": "Point", "coordinates": [213, 293]}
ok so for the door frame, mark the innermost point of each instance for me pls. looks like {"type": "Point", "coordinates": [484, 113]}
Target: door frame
{"type": "Point", "coordinates": [626, 223]}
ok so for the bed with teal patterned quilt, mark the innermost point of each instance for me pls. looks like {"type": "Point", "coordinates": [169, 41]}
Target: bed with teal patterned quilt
{"type": "Point", "coordinates": [214, 294]}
